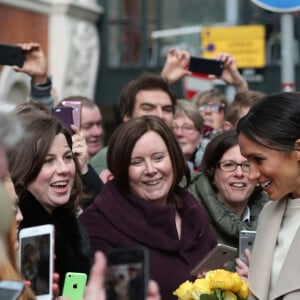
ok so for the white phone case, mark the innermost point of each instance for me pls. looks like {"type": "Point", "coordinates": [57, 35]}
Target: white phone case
{"type": "Point", "coordinates": [36, 258]}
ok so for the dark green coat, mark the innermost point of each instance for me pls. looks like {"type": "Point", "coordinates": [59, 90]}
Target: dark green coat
{"type": "Point", "coordinates": [223, 221]}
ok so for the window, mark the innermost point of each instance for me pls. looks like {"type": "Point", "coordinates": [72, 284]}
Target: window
{"type": "Point", "coordinates": [129, 25]}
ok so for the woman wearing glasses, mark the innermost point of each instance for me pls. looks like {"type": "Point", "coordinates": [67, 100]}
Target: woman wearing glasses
{"type": "Point", "coordinates": [187, 126]}
{"type": "Point", "coordinates": [231, 200]}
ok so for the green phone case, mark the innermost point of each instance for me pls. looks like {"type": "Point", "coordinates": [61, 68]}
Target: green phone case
{"type": "Point", "coordinates": [74, 285]}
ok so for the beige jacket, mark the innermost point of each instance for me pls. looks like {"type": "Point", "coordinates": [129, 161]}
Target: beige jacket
{"type": "Point", "coordinates": [288, 285]}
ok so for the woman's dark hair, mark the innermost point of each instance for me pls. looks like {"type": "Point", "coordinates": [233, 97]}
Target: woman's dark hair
{"type": "Point", "coordinates": [273, 122]}
{"type": "Point", "coordinates": [214, 151]}
{"type": "Point", "coordinates": [26, 159]}
{"type": "Point", "coordinates": [123, 141]}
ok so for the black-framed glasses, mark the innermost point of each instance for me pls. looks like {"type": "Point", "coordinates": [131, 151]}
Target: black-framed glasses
{"type": "Point", "coordinates": [231, 165]}
{"type": "Point", "coordinates": [214, 107]}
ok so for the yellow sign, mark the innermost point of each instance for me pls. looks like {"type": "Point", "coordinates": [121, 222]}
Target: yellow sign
{"type": "Point", "coordinates": [245, 43]}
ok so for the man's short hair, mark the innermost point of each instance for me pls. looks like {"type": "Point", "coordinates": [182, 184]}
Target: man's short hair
{"type": "Point", "coordinates": [146, 81]}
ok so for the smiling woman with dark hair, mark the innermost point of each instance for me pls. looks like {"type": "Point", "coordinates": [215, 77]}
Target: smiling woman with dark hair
{"type": "Point", "coordinates": [144, 205]}
{"type": "Point", "coordinates": [269, 137]}
{"type": "Point", "coordinates": [46, 177]}
{"type": "Point", "coordinates": [231, 200]}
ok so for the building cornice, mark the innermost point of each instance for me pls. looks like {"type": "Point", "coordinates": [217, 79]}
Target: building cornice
{"type": "Point", "coordinates": [85, 10]}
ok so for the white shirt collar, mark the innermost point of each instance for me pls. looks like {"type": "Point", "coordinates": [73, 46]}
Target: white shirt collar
{"type": "Point", "coordinates": [246, 214]}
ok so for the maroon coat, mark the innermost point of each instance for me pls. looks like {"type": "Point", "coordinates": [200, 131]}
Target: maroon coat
{"type": "Point", "coordinates": [114, 221]}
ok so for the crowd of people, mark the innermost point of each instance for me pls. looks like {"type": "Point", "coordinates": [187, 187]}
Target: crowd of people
{"type": "Point", "coordinates": [177, 177]}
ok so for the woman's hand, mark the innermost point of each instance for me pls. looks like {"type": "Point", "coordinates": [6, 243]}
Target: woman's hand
{"type": "Point", "coordinates": [95, 289]}
{"type": "Point", "coordinates": [241, 267]}
{"type": "Point", "coordinates": [153, 291]}
{"type": "Point", "coordinates": [80, 149]}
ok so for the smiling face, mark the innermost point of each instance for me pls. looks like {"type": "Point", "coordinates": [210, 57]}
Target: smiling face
{"type": "Point", "coordinates": [91, 128]}
{"type": "Point", "coordinates": [277, 172]}
{"type": "Point", "coordinates": [52, 187]}
{"type": "Point", "coordinates": [234, 187]}
{"type": "Point", "coordinates": [150, 170]}
{"type": "Point", "coordinates": [186, 134]}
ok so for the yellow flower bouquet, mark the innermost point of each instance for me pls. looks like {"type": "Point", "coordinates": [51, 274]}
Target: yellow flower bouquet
{"type": "Point", "coordinates": [217, 285]}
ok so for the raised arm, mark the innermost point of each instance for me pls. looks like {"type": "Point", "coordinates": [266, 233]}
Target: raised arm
{"type": "Point", "coordinates": [35, 65]}
{"type": "Point", "coordinates": [176, 65]}
{"type": "Point", "coordinates": [231, 74]}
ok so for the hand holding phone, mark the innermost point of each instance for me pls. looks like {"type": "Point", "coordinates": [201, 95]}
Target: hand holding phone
{"type": "Point", "coordinates": [215, 259]}
{"type": "Point", "coordinates": [74, 285]}
{"type": "Point", "coordinates": [11, 55]}
{"type": "Point", "coordinates": [206, 66]}
{"type": "Point", "coordinates": [76, 105]}
{"type": "Point", "coordinates": [11, 289]}
{"type": "Point", "coordinates": [36, 258]}
{"type": "Point", "coordinates": [65, 115]}
{"type": "Point", "coordinates": [127, 274]}
{"type": "Point", "coordinates": [246, 241]}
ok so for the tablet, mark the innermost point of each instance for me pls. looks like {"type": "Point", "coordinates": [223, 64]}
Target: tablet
{"type": "Point", "coordinates": [215, 259]}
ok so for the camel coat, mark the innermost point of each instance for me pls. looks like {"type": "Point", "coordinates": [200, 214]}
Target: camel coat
{"type": "Point", "coordinates": [288, 284]}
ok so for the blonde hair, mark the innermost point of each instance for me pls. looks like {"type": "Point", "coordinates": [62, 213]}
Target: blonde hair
{"type": "Point", "coordinates": [187, 108]}
{"type": "Point", "coordinates": [207, 96]}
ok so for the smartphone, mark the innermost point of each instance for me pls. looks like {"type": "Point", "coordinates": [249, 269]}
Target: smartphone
{"type": "Point", "coordinates": [206, 66]}
{"type": "Point", "coordinates": [36, 257]}
{"type": "Point", "coordinates": [127, 274]}
{"type": "Point", "coordinates": [246, 241]}
{"type": "Point", "coordinates": [11, 55]}
{"type": "Point", "coordinates": [76, 105]}
{"type": "Point", "coordinates": [215, 259]}
{"type": "Point", "coordinates": [11, 289]}
{"type": "Point", "coordinates": [65, 115]}
{"type": "Point", "coordinates": [74, 285]}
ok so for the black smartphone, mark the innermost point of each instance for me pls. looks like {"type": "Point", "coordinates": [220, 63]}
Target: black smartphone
{"type": "Point", "coordinates": [127, 274]}
{"type": "Point", "coordinates": [206, 66]}
{"type": "Point", "coordinates": [65, 115]}
{"type": "Point", "coordinates": [11, 289]}
{"type": "Point", "coordinates": [11, 55]}
{"type": "Point", "coordinates": [246, 241]}
{"type": "Point", "coordinates": [215, 259]}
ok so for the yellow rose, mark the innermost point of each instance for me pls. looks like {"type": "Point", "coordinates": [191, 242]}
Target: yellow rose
{"type": "Point", "coordinates": [220, 279]}
{"type": "Point", "coordinates": [200, 286]}
{"type": "Point", "coordinates": [236, 282]}
{"type": "Point", "coordinates": [183, 292]}
{"type": "Point", "coordinates": [244, 290]}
